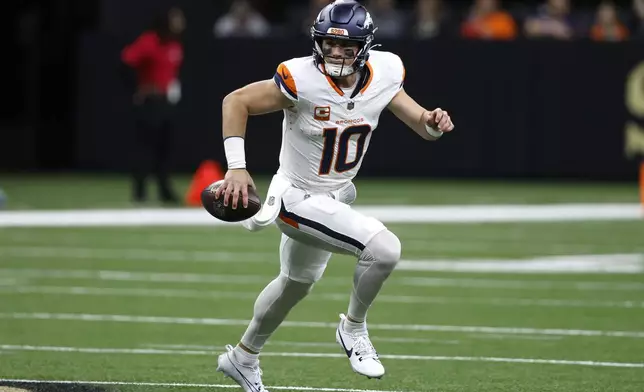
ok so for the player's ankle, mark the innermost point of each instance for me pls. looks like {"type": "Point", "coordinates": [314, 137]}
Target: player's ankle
{"type": "Point", "coordinates": [243, 347]}
{"type": "Point", "coordinates": [351, 325]}
{"type": "Point", "coordinates": [354, 320]}
{"type": "Point", "coordinates": [245, 356]}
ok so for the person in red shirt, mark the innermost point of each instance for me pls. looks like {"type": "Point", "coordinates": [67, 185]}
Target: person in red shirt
{"type": "Point", "coordinates": [156, 56]}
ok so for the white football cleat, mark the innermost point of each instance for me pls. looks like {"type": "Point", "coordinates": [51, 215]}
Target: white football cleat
{"type": "Point", "coordinates": [249, 378]}
{"type": "Point", "coordinates": [362, 355]}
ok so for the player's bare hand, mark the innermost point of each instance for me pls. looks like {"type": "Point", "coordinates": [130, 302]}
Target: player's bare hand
{"type": "Point", "coordinates": [439, 119]}
{"type": "Point", "coordinates": [236, 181]}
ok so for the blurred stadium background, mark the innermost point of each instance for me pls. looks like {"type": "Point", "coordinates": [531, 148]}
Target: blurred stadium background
{"type": "Point", "coordinates": [522, 232]}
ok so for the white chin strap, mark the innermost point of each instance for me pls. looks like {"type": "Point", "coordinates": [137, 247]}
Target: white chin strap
{"type": "Point", "coordinates": [337, 70]}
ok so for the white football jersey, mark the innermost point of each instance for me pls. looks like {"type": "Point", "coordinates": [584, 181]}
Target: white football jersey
{"type": "Point", "coordinates": [326, 134]}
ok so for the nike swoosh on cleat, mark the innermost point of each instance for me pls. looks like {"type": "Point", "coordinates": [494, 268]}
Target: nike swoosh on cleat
{"type": "Point", "coordinates": [349, 352]}
{"type": "Point", "coordinates": [252, 387]}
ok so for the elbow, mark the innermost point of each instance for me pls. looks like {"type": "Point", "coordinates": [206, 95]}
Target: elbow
{"type": "Point", "coordinates": [233, 101]}
{"type": "Point", "coordinates": [229, 99]}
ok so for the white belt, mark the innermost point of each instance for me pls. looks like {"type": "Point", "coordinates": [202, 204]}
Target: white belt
{"type": "Point", "coordinates": [273, 202]}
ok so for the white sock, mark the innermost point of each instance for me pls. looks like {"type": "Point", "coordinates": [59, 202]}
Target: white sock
{"type": "Point", "coordinates": [244, 357]}
{"type": "Point", "coordinates": [351, 327]}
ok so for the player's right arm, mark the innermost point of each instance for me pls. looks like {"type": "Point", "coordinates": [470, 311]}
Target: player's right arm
{"type": "Point", "coordinates": [254, 99]}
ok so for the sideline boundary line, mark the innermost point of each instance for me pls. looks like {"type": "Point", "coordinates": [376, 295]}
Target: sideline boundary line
{"type": "Point", "coordinates": [387, 214]}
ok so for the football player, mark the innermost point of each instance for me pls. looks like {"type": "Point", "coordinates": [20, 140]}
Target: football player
{"type": "Point", "coordinates": [331, 101]}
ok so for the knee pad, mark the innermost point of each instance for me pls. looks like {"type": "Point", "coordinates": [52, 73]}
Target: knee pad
{"type": "Point", "coordinates": [383, 248]}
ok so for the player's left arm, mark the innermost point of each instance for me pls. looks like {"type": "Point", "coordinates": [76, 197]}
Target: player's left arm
{"type": "Point", "coordinates": [429, 124]}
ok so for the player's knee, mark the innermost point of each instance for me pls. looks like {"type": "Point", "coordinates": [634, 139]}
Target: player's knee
{"type": "Point", "coordinates": [385, 249]}
{"type": "Point", "coordinates": [302, 277]}
{"type": "Point", "coordinates": [297, 286]}
{"type": "Point", "coordinates": [280, 295]}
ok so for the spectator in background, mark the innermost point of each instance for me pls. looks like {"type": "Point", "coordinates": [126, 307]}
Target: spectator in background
{"type": "Point", "coordinates": [607, 26]}
{"type": "Point", "coordinates": [156, 56]}
{"type": "Point", "coordinates": [242, 20]}
{"type": "Point", "coordinates": [551, 21]}
{"type": "Point", "coordinates": [487, 21]}
{"type": "Point", "coordinates": [390, 21]}
{"type": "Point", "coordinates": [430, 18]}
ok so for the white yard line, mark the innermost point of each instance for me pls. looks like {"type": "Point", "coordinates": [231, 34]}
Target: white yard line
{"type": "Point", "coordinates": [171, 255]}
{"type": "Point", "coordinates": [157, 255]}
{"type": "Point", "coordinates": [606, 263]}
{"type": "Point", "coordinates": [9, 281]}
{"type": "Point", "coordinates": [516, 284]}
{"type": "Point", "coordinates": [305, 344]}
{"type": "Point", "coordinates": [219, 347]}
{"type": "Point", "coordinates": [387, 214]}
{"type": "Point", "coordinates": [342, 297]}
{"type": "Point", "coordinates": [125, 276]}
{"type": "Point", "coordinates": [148, 351]}
{"type": "Point", "coordinates": [319, 324]}
{"type": "Point", "coordinates": [501, 336]}
{"type": "Point", "coordinates": [128, 292]}
{"type": "Point", "coordinates": [602, 264]}
{"type": "Point", "coordinates": [73, 237]}
{"type": "Point", "coordinates": [184, 385]}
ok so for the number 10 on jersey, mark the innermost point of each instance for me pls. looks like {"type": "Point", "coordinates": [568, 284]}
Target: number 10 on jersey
{"type": "Point", "coordinates": [331, 139]}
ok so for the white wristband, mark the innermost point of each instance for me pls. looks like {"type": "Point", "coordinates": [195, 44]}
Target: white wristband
{"type": "Point", "coordinates": [432, 132]}
{"type": "Point", "coordinates": [235, 154]}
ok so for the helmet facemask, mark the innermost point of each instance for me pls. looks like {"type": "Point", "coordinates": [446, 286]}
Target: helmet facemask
{"type": "Point", "coordinates": [352, 61]}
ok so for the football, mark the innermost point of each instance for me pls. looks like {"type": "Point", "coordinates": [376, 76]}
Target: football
{"type": "Point", "coordinates": [217, 209]}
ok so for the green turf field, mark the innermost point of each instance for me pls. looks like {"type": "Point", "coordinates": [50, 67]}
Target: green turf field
{"type": "Point", "coordinates": [102, 191]}
{"type": "Point", "coordinates": [147, 307]}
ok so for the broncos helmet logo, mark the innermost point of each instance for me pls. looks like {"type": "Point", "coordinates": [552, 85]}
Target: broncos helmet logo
{"type": "Point", "coordinates": [368, 22]}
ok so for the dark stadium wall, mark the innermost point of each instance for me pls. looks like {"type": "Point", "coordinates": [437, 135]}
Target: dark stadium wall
{"type": "Point", "coordinates": [521, 109]}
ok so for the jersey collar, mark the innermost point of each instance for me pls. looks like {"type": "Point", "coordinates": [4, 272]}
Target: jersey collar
{"type": "Point", "coordinates": [361, 86]}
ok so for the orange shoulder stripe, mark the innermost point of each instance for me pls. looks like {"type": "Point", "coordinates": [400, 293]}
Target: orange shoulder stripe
{"type": "Point", "coordinates": [287, 79]}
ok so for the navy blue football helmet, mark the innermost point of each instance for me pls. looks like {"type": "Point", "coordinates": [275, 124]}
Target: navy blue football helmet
{"type": "Point", "coordinates": [343, 20]}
